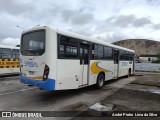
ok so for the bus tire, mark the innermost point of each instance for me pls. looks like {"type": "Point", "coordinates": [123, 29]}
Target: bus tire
{"type": "Point", "coordinates": [100, 81]}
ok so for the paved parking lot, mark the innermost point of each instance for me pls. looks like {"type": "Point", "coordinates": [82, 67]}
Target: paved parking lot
{"type": "Point", "coordinates": [134, 93]}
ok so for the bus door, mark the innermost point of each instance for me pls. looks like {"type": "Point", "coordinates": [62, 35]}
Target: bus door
{"type": "Point", "coordinates": [116, 63]}
{"type": "Point", "coordinates": [84, 64]}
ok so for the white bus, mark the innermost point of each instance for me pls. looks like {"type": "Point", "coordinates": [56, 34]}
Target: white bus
{"type": "Point", "coordinates": [9, 60]}
{"type": "Point", "coordinates": [52, 59]}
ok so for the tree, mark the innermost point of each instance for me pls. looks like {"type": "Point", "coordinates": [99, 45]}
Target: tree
{"type": "Point", "coordinates": [18, 45]}
{"type": "Point", "coordinates": [158, 58]}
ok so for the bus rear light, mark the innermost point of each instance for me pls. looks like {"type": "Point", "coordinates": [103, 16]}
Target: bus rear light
{"type": "Point", "coordinates": [46, 72]}
{"type": "Point", "coordinates": [20, 73]}
{"type": "Point", "coordinates": [44, 77]}
{"type": "Point", "coordinates": [46, 67]}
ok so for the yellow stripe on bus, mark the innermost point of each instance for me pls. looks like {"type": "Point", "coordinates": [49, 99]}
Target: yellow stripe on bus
{"type": "Point", "coordinates": [9, 63]}
{"type": "Point", "coordinates": [95, 69]}
{"type": "Point", "coordinates": [36, 77]}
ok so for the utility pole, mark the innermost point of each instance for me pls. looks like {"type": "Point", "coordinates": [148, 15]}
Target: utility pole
{"type": "Point", "coordinates": [20, 27]}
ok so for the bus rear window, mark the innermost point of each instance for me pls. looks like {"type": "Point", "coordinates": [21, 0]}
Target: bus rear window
{"type": "Point", "coordinates": [33, 43]}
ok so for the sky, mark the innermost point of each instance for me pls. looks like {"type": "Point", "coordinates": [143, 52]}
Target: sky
{"type": "Point", "coordinates": [106, 20]}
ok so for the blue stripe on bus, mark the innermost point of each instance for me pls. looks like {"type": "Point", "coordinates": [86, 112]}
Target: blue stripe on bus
{"type": "Point", "coordinates": [48, 84]}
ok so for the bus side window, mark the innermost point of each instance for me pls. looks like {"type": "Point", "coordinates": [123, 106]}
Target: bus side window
{"type": "Point", "coordinates": [110, 53]}
{"type": "Point", "coordinates": [105, 52]}
{"type": "Point", "coordinates": [61, 51]}
{"type": "Point", "coordinates": [130, 56]}
{"type": "Point", "coordinates": [121, 52]}
{"type": "Point", "coordinates": [100, 52]}
{"type": "Point", "coordinates": [127, 55]}
{"type": "Point", "coordinates": [94, 51]}
{"type": "Point", "coordinates": [15, 54]}
{"type": "Point", "coordinates": [68, 47]}
{"type": "Point", "coordinates": [122, 55]}
{"type": "Point", "coordinates": [1, 53]}
{"type": "Point", "coordinates": [6, 53]}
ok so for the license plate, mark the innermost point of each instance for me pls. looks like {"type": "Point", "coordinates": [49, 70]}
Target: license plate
{"type": "Point", "coordinates": [24, 74]}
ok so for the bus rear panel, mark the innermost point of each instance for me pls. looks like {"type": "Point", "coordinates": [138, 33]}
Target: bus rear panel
{"type": "Point", "coordinates": [34, 69]}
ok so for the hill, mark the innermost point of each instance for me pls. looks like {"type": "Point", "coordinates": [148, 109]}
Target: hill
{"type": "Point", "coordinates": [142, 47]}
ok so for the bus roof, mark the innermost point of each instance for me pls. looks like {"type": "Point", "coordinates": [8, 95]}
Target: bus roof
{"type": "Point", "coordinates": [74, 35]}
{"type": "Point", "coordinates": [11, 47]}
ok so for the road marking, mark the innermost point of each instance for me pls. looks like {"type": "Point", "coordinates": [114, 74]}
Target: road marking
{"type": "Point", "coordinates": [16, 91]}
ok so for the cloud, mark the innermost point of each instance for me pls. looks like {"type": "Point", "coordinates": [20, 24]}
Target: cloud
{"type": "Point", "coordinates": [105, 20]}
{"type": "Point", "coordinates": [156, 26]}
{"type": "Point", "coordinates": [82, 19]}
{"type": "Point", "coordinates": [14, 7]}
{"type": "Point", "coordinates": [141, 22]}
{"type": "Point", "coordinates": [122, 20]}
{"type": "Point", "coordinates": [129, 20]}
{"type": "Point", "coordinates": [10, 41]}
{"type": "Point", "coordinates": [76, 17]}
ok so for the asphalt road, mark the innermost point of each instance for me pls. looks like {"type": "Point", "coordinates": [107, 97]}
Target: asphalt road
{"type": "Point", "coordinates": [15, 96]}
{"type": "Point", "coordinates": [142, 94]}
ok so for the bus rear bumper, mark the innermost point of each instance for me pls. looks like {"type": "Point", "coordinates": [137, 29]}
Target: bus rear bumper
{"type": "Point", "coordinates": [48, 84]}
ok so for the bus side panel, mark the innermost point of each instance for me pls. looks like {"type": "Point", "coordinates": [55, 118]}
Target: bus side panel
{"type": "Point", "coordinates": [92, 75]}
{"type": "Point", "coordinates": [6, 70]}
{"type": "Point", "coordinates": [9, 71]}
{"type": "Point", "coordinates": [97, 66]}
{"type": "Point", "coordinates": [14, 70]}
{"type": "Point", "coordinates": [67, 74]}
{"type": "Point", "coordinates": [110, 67]}
{"type": "Point", "coordinates": [124, 67]}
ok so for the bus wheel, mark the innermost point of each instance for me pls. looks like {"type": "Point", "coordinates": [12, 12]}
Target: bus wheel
{"type": "Point", "coordinates": [100, 81]}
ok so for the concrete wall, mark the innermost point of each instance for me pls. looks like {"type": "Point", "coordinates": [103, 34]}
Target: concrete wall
{"type": "Point", "coordinates": [147, 67]}
{"type": "Point", "coordinates": [145, 59]}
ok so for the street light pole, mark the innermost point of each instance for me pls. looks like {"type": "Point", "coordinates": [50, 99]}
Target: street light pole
{"type": "Point", "coordinates": [20, 27]}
